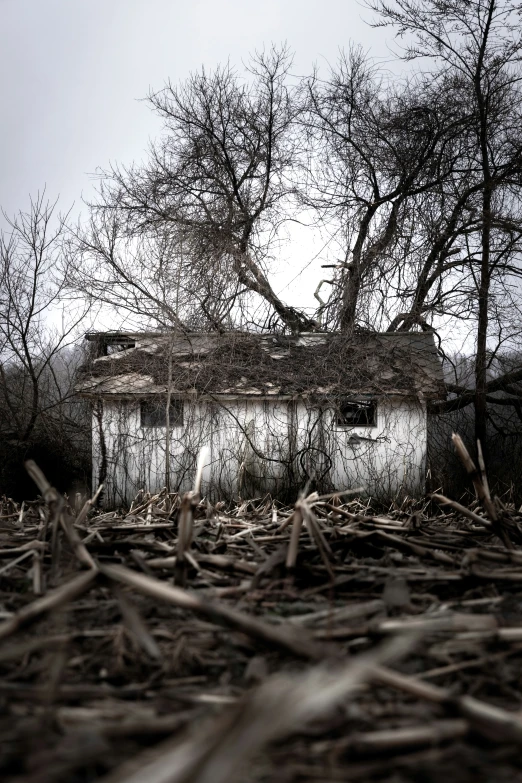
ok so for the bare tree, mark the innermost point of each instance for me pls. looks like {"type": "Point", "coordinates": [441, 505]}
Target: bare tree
{"type": "Point", "coordinates": [479, 43]}
{"type": "Point", "coordinates": [378, 149]}
{"type": "Point", "coordinates": [34, 328]}
{"type": "Point", "coordinates": [215, 191]}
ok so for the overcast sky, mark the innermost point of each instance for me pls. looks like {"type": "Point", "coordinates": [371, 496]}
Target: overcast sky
{"type": "Point", "coordinates": [73, 71]}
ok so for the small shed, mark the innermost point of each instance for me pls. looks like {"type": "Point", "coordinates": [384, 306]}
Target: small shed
{"type": "Point", "coordinates": [275, 411]}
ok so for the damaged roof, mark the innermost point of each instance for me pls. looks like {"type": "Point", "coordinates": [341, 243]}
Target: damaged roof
{"type": "Point", "coordinates": [263, 365]}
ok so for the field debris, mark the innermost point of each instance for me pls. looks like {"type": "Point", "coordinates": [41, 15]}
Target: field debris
{"type": "Point", "coordinates": [181, 641]}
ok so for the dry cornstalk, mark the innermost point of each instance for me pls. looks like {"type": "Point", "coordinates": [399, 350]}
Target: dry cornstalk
{"type": "Point", "coordinates": [281, 705]}
{"type": "Point", "coordinates": [15, 562]}
{"type": "Point", "coordinates": [136, 625]}
{"type": "Point", "coordinates": [288, 639]}
{"type": "Point", "coordinates": [482, 466]}
{"type": "Point", "coordinates": [412, 736]}
{"type": "Point", "coordinates": [293, 546]}
{"type": "Point", "coordinates": [90, 503]}
{"type": "Point", "coordinates": [186, 514]}
{"type": "Point", "coordinates": [481, 487]}
{"type": "Point", "coordinates": [490, 721]}
{"type": "Point", "coordinates": [446, 622]}
{"type": "Point", "coordinates": [52, 600]}
{"type": "Point", "coordinates": [55, 501]}
{"type": "Point", "coordinates": [466, 512]}
{"type": "Point", "coordinates": [37, 573]}
{"type": "Point", "coordinates": [184, 537]}
{"type": "Point", "coordinates": [342, 613]}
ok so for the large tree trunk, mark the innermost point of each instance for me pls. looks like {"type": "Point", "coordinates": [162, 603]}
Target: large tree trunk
{"type": "Point", "coordinates": [482, 327]}
{"type": "Point", "coordinates": [364, 258]}
{"type": "Point", "coordinates": [251, 276]}
{"type": "Point", "coordinates": [353, 279]}
{"type": "Point", "coordinates": [485, 272]}
{"type": "Point", "coordinates": [351, 289]}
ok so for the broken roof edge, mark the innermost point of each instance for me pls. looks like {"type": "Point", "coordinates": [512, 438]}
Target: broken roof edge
{"type": "Point", "coordinates": [255, 395]}
{"type": "Point", "coordinates": [120, 335]}
{"type": "Point", "coordinates": [133, 334]}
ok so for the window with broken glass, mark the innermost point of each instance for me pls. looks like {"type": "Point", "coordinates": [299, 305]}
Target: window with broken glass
{"type": "Point", "coordinates": [357, 413]}
{"type": "Point", "coordinates": [154, 413]}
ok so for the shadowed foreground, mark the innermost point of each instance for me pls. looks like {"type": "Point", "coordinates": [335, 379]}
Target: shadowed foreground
{"type": "Point", "coordinates": [186, 642]}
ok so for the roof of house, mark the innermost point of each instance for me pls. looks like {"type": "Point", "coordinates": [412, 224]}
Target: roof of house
{"type": "Point", "coordinates": [264, 365]}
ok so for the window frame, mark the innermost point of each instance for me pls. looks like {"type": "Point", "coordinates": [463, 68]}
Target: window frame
{"type": "Point", "coordinates": [160, 409]}
{"type": "Point", "coordinates": [344, 425]}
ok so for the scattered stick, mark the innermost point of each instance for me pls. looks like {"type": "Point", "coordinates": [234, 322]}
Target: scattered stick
{"type": "Point", "coordinates": [492, 722]}
{"type": "Point", "coordinates": [52, 600]}
{"type": "Point", "coordinates": [281, 705]}
{"type": "Point", "coordinates": [289, 639]}
{"type": "Point", "coordinates": [467, 512]}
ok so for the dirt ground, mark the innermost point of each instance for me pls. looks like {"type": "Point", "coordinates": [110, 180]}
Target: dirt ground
{"type": "Point", "coordinates": [179, 641]}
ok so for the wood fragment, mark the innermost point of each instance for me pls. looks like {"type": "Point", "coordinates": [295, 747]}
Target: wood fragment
{"type": "Point", "coordinates": [493, 722]}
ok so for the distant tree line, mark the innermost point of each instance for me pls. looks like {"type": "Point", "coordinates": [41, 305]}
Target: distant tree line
{"type": "Point", "coordinates": [414, 180]}
{"type": "Point", "coordinates": [39, 322]}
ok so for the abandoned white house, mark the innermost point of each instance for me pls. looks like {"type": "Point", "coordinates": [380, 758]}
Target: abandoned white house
{"type": "Point", "coordinates": [275, 411]}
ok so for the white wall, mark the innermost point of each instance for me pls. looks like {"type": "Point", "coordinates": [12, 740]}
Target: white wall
{"type": "Point", "coordinates": [260, 445]}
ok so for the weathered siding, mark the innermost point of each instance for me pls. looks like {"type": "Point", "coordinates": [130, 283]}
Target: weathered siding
{"type": "Point", "coordinates": [259, 446]}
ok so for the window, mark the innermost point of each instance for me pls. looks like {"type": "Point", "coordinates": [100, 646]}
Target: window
{"type": "Point", "coordinates": [154, 413]}
{"type": "Point", "coordinates": [357, 413]}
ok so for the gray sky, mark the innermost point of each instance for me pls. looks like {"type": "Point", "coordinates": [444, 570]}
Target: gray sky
{"type": "Point", "coordinates": [73, 71]}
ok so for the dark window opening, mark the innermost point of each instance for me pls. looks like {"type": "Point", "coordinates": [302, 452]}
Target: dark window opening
{"type": "Point", "coordinates": [154, 413]}
{"type": "Point", "coordinates": [357, 413]}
